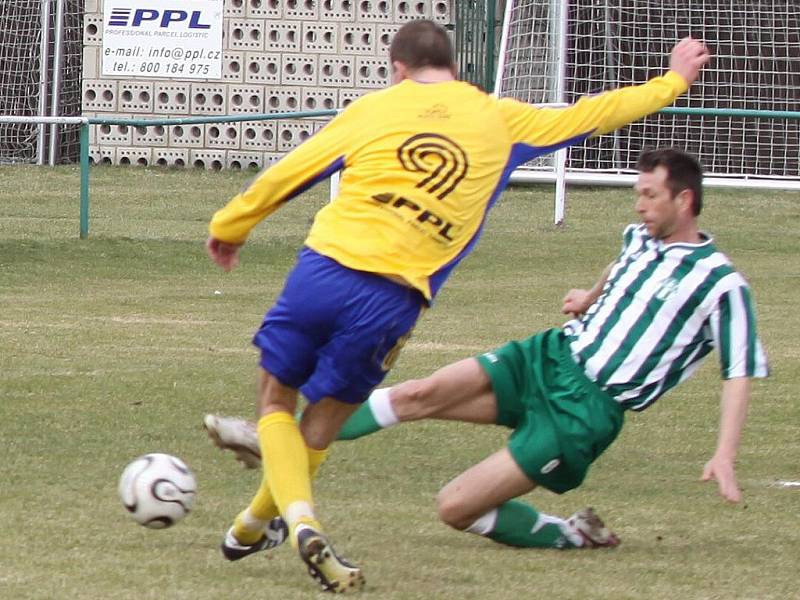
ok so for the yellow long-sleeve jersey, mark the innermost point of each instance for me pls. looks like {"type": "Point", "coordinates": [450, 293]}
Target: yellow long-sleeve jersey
{"type": "Point", "coordinates": [422, 164]}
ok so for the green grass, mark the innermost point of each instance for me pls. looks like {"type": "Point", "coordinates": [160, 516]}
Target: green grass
{"type": "Point", "coordinates": [117, 345]}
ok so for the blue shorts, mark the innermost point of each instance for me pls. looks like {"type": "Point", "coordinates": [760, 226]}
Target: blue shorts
{"type": "Point", "coordinates": [335, 331]}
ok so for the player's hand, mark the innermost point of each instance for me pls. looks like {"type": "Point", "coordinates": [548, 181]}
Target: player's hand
{"type": "Point", "coordinates": [721, 470]}
{"type": "Point", "coordinates": [688, 57]}
{"type": "Point", "coordinates": [224, 254]}
{"type": "Point", "coordinates": [576, 302]}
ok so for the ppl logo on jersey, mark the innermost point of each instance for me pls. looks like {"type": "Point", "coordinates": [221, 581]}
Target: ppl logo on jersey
{"type": "Point", "coordinates": [128, 17]}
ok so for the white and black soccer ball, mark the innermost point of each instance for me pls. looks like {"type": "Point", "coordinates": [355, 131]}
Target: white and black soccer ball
{"type": "Point", "coordinates": [158, 490]}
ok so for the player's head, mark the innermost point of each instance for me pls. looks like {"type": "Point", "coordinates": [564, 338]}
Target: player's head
{"type": "Point", "coordinates": [683, 172]}
{"type": "Point", "coordinates": [669, 192]}
{"type": "Point", "coordinates": [418, 45]}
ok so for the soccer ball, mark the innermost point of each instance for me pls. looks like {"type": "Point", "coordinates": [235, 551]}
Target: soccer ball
{"type": "Point", "coordinates": [158, 490]}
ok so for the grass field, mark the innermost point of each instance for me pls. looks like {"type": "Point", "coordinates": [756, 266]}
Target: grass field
{"type": "Point", "coordinates": [117, 345]}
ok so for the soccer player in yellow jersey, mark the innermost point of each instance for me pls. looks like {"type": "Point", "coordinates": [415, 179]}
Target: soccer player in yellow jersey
{"type": "Point", "coordinates": [422, 163]}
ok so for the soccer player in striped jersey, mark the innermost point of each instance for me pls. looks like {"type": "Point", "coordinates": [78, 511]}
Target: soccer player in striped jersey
{"type": "Point", "coordinates": [668, 299]}
{"type": "Point", "coordinates": [423, 161]}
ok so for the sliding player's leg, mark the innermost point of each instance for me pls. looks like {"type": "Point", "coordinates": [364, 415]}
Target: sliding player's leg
{"type": "Point", "coordinates": [482, 501]}
{"type": "Point", "coordinates": [460, 391]}
{"type": "Point", "coordinates": [558, 426]}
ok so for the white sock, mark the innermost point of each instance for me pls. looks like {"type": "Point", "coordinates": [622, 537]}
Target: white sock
{"type": "Point", "coordinates": [483, 525]}
{"type": "Point", "coordinates": [381, 407]}
{"type": "Point", "coordinates": [297, 511]}
{"type": "Point", "coordinates": [569, 532]}
{"type": "Point", "coordinates": [250, 522]}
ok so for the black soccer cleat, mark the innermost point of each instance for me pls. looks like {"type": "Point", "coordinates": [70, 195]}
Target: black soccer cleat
{"type": "Point", "coordinates": [275, 533]}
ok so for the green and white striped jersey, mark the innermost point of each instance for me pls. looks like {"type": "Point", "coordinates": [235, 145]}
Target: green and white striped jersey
{"type": "Point", "coordinates": [663, 308]}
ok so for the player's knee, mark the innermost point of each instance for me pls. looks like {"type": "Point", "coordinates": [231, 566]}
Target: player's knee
{"type": "Point", "coordinates": [317, 438]}
{"type": "Point", "coordinates": [452, 510]}
{"type": "Point", "coordinates": [413, 399]}
{"type": "Point", "coordinates": [321, 422]}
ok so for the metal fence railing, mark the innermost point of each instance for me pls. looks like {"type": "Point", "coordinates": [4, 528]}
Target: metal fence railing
{"type": "Point", "coordinates": [86, 122]}
{"type": "Point", "coordinates": [475, 41]}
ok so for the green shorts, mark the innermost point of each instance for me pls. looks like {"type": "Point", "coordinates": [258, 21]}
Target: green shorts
{"type": "Point", "coordinates": [562, 421]}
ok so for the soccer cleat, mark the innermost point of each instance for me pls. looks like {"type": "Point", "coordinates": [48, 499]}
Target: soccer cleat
{"type": "Point", "coordinates": [236, 435]}
{"type": "Point", "coordinates": [591, 528]}
{"type": "Point", "coordinates": [332, 572]}
{"type": "Point", "coordinates": [275, 533]}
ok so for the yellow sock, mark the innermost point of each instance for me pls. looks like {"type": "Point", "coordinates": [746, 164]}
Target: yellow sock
{"type": "Point", "coordinates": [287, 468]}
{"type": "Point", "coordinates": [315, 459]}
{"type": "Point", "coordinates": [248, 527]}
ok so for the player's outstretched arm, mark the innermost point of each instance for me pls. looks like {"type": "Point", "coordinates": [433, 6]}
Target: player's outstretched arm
{"type": "Point", "coordinates": [688, 57]}
{"type": "Point", "coordinates": [733, 413]}
{"type": "Point", "coordinates": [593, 115]}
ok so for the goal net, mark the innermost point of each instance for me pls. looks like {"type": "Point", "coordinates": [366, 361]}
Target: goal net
{"type": "Point", "coordinates": [607, 44]}
{"type": "Point", "coordinates": [20, 76]}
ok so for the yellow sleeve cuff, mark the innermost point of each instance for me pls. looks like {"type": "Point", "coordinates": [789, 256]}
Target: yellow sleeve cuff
{"type": "Point", "coordinates": [677, 81]}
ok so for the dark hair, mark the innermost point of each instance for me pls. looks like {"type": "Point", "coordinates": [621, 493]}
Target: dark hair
{"type": "Point", "coordinates": [684, 172]}
{"type": "Point", "coordinates": [422, 43]}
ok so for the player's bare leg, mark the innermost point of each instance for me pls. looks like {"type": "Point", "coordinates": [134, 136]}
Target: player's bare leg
{"type": "Point", "coordinates": [482, 501]}
{"type": "Point", "coordinates": [459, 392]}
{"type": "Point", "coordinates": [481, 488]}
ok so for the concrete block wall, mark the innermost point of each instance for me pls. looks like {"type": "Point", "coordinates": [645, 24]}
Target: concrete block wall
{"type": "Point", "coordinates": [278, 56]}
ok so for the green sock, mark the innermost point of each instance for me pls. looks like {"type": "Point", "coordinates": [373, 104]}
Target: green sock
{"type": "Point", "coordinates": [519, 524]}
{"type": "Point", "coordinates": [361, 423]}
{"type": "Point", "coordinates": [373, 415]}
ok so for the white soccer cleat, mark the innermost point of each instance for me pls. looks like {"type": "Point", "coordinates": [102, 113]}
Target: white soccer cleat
{"type": "Point", "coordinates": [592, 530]}
{"type": "Point", "coordinates": [237, 435]}
{"type": "Point", "coordinates": [331, 571]}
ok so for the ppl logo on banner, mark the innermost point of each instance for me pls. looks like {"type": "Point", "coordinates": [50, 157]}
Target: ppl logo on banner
{"type": "Point", "coordinates": [128, 17]}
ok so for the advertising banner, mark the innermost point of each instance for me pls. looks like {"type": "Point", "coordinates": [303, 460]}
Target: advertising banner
{"type": "Point", "coordinates": [174, 39]}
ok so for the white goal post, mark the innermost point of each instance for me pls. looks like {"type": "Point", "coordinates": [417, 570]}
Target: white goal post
{"type": "Point", "coordinates": [558, 50]}
{"type": "Point", "coordinates": [554, 54]}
